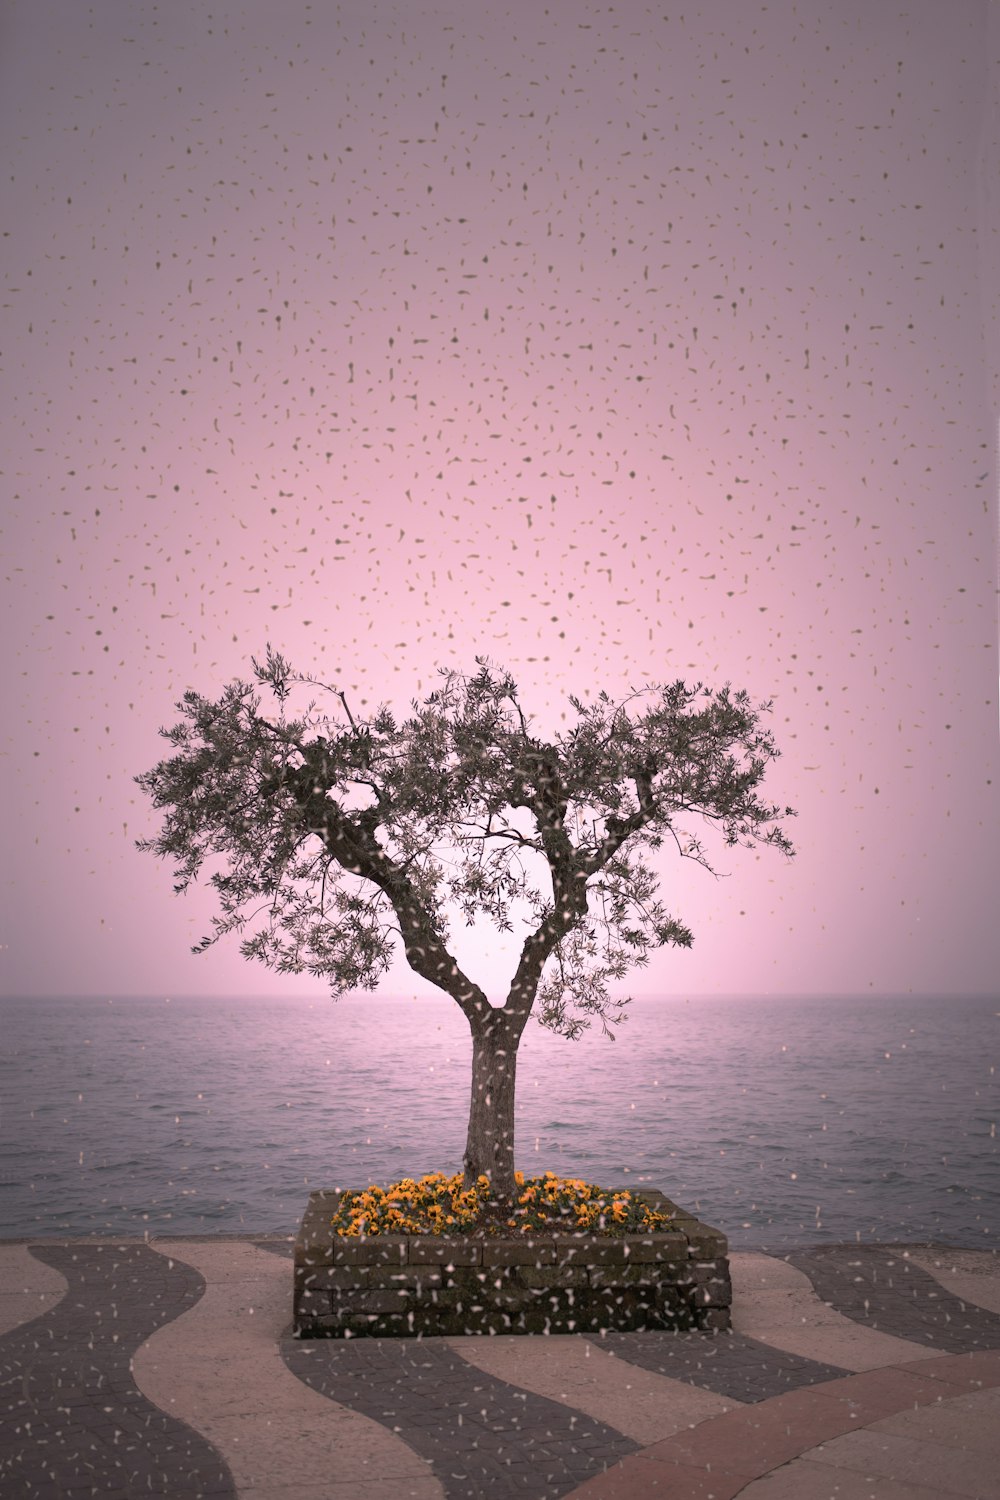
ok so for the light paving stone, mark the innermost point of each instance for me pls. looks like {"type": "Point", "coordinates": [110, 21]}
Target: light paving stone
{"type": "Point", "coordinates": [942, 1468]}
{"type": "Point", "coordinates": [646, 1478]}
{"type": "Point", "coordinates": [972, 1275]}
{"type": "Point", "coordinates": [777, 1304]}
{"type": "Point", "coordinates": [566, 1368]}
{"type": "Point", "coordinates": [975, 1370]}
{"type": "Point", "coordinates": [27, 1288]}
{"type": "Point", "coordinates": [971, 1423]}
{"type": "Point", "coordinates": [273, 1431]}
{"type": "Point", "coordinates": [806, 1480]}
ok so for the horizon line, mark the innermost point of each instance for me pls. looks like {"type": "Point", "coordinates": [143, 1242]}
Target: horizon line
{"type": "Point", "coordinates": [395, 996]}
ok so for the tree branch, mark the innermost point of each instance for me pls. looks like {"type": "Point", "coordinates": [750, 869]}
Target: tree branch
{"type": "Point", "coordinates": [617, 830]}
{"type": "Point", "coordinates": [568, 873]}
{"type": "Point", "coordinates": [351, 842]}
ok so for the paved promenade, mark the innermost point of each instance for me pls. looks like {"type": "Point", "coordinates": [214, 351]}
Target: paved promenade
{"type": "Point", "coordinates": [168, 1369]}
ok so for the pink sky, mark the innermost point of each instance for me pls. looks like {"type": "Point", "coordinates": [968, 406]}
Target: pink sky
{"type": "Point", "coordinates": [616, 343]}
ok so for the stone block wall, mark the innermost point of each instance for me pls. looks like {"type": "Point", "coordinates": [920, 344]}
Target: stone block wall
{"type": "Point", "coordinates": [405, 1286]}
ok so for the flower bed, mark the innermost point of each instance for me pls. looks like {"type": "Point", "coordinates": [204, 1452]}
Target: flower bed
{"type": "Point", "coordinates": [440, 1205]}
{"type": "Point", "coordinates": [572, 1259]}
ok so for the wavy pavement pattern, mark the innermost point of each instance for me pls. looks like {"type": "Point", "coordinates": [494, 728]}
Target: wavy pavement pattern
{"type": "Point", "coordinates": [355, 1415]}
{"type": "Point", "coordinates": [885, 1290]}
{"type": "Point", "coordinates": [970, 1275]}
{"type": "Point", "coordinates": [569, 1368]}
{"type": "Point", "coordinates": [480, 1435]}
{"type": "Point", "coordinates": [913, 1424]}
{"type": "Point", "coordinates": [842, 1440]}
{"type": "Point", "coordinates": [777, 1304]}
{"type": "Point", "coordinates": [27, 1288]}
{"type": "Point", "coordinates": [219, 1367]}
{"type": "Point", "coordinates": [728, 1364]}
{"type": "Point", "coordinates": [515, 1438]}
{"type": "Point", "coordinates": [70, 1412]}
{"type": "Point", "coordinates": [572, 1371]}
{"type": "Point", "coordinates": [170, 1370]}
{"type": "Point", "coordinates": [946, 1451]}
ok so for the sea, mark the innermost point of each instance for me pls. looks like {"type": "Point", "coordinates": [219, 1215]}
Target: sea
{"type": "Point", "coordinates": [784, 1121]}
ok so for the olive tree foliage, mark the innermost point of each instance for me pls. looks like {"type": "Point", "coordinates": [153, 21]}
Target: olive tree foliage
{"type": "Point", "coordinates": [374, 830]}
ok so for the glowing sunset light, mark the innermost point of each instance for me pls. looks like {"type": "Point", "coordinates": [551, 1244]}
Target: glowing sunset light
{"type": "Point", "coordinates": [618, 345]}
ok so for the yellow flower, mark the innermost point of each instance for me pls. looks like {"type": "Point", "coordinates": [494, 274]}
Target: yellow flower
{"type": "Point", "coordinates": [410, 1207]}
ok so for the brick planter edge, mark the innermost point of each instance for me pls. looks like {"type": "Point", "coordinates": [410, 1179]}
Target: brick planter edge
{"type": "Point", "coordinates": [406, 1286]}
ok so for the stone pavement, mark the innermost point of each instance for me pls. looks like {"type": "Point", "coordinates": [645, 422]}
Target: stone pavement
{"type": "Point", "coordinates": [168, 1369]}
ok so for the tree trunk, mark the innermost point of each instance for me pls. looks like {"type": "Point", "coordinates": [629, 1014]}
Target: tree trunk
{"type": "Point", "coordinates": [490, 1145]}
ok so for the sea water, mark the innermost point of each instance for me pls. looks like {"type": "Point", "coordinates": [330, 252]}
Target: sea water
{"type": "Point", "coordinates": [783, 1121]}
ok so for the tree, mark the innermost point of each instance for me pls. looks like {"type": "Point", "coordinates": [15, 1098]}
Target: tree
{"type": "Point", "coordinates": [366, 834]}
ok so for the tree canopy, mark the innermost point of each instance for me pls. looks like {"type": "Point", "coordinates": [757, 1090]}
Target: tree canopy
{"type": "Point", "coordinates": [375, 830]}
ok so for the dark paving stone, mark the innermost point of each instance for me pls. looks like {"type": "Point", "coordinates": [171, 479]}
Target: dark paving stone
{"type": "Point", "coordinates": [726, 1363]}
{"type": "Point", "coordinates": [881, 1289]}
{"type": "Point", "coordinates": [72, 1420]}
{"type": "Point", "coordinates": [480, 1436]}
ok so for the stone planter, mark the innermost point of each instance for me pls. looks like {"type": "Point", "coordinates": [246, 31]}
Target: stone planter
{"type": "Point", "coordinates": [405, 1286]}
